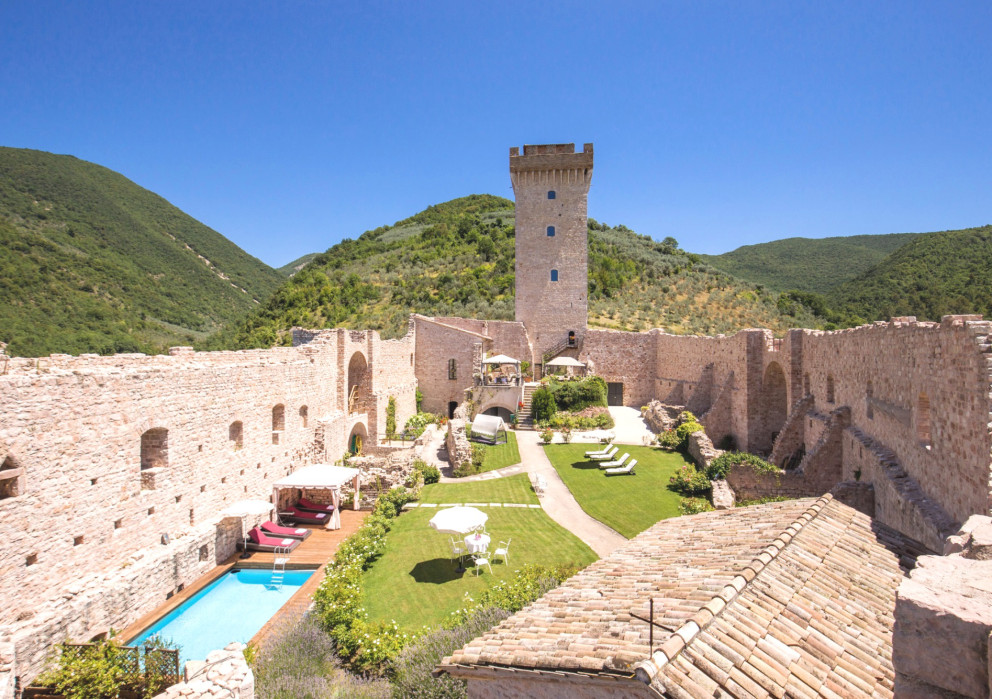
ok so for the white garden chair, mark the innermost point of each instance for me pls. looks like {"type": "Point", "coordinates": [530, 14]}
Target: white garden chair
{"type": "Point", "coordinates": [599, 452]}
{"type": "Point", "coordinates": [503, 550]}
{"type": "Point", "coordinates": [480, 561]}
{"type": "Point", "coordinates": [457, 549]}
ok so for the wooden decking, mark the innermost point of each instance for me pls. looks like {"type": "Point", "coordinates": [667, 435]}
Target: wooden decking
{"type": "Point", "coordinates": [316, 551]}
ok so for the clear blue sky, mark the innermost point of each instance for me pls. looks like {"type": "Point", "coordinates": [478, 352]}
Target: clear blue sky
{"type": "Point", "coordinates": [287, 126]}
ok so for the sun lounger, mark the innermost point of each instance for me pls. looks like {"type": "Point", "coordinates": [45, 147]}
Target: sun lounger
{"type": "Point", "coordinates": [311, 506]}
{"type": "Point", "coordinates": [294, 515]}
{"type": "Point", "coordinates": [623, 470]}
{"type": "Point", "coordinates": [259, 541]}
{"type": "Point", "coordinates": [273, 529]}
{"type": "Point", "coordinates": [599, 452]}
{"type": "Point", "coordinates": [606, 456]}
{"type": "Point", "coordinates": [618, 462]}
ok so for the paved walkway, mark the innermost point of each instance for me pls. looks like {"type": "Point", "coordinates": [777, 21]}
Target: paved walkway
{"type": "Point", "coordinates": [559, 503]}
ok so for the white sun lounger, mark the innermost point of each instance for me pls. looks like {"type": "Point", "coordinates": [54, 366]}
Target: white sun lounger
{"type": "Point", "coordinates": [623, 470]}
{"type": "Point", "coordinates": [618, 462]}
{"type": "Point", "coordinates": [600, 452]}
{"type": "Point", "coordinates": [606, 455]}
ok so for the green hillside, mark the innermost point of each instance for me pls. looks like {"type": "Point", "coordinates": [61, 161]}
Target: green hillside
{"type": "Point", "coordinates": [288, 270]}
{"type": "Point", "coordinates": [91, 262]}
{"type": "Point", "coordinates": [457, 258]}
{"type": "Point", "coordinates": [932, 275]}
{"type": "Point", "coordinates": [808, 264]}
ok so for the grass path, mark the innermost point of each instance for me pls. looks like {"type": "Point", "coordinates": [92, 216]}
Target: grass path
{"type": "Point", "coordinates": [501, 455]}
{"type": "Point", "coordinates": [511, 489]}
{"type": "Point", "coordinates": [628, 504]}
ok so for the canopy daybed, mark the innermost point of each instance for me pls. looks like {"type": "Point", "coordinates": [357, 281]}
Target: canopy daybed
{"type": "Point", "coordinates": [316, 478]}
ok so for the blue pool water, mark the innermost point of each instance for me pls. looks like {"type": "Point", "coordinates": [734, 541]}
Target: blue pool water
{"type": "Point", "coordinates": [232, 608]}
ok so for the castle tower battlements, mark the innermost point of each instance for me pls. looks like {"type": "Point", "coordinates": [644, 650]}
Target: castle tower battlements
{"type": "Point", "coordinates": [551, 187]}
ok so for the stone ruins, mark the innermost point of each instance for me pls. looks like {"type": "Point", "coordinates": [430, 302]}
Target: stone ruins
{"type": "Point", "coordinates": [115, 471]}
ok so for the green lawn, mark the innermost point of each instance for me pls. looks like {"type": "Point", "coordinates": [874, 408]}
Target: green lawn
{"type": "Point", "coordinates": [629, 504]}
{"type": "Point", "coordinates": [500, 455]}
{"type": "Point", "coordinates": [511, 489]}
{"type": "Point", "coordinates": [415, 583]}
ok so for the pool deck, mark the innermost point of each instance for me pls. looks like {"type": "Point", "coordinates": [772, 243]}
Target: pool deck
{"type": "Point", "coordinates": [316, 551]}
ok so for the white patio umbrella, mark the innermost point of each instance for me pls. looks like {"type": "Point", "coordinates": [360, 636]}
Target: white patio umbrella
{"type": "Point", "coordinates": [458, 520]}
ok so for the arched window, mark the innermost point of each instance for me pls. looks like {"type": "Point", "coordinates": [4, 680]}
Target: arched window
{"type": "Point", "coordinates": [551, 231]}
{"type": "Point", "coordinates": [869, 400]}
{"type": "Point", "coordinates": [304, 415]}
{"type": "Point", "coordinates": [278, 418]}
{"type": "Point", "coordinates": [830, 389]}
{"type": "Point", "coordinates": [551, 194]}
{"type": "Point", "coordinates": [452, 369]}
{"type": "Point", "coordinates": [155, 448]}
{"type": "Point", "coordinates": [10, 479]}
{"type": "Point", "coordinates": [235, 434]}
{"type": "Point", "coordinates": [554, 275]}
{"type": "Point", "coordinates": [923, 421]}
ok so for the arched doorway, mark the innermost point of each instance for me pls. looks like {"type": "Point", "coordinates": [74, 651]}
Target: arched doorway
{"type": "Point", "coordinates": [356, 440]}
{"type": "Point", "coordinates": [774, 405]}
{"type": "Point", "coordinates": [499, 412]}
{"type": "Point", "coordinates": [358, 371]}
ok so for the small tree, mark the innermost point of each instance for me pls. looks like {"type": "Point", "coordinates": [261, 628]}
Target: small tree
{"type": "Point", "coordinates": [391, 416]}
{"type": "Point", "coordinates": [543, 404]}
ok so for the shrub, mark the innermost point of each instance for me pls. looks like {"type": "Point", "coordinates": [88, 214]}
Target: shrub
{"type": "Point", "coordinates": [693, 506]}
{"type": "Point", "coordinates": [603, 421]}
{"type": "Point", "coordinates": [669, 440]}
{"type": "Point", "coordinates": [411, 669]}
{"type": "Point", "coordinates": [720, 466]}
{"type": "Point", "coordinates": [301, 662]}
{"type": "Point", "coordinates": [576, 395]}
{"type": "Point", "coordinates": [566, 435]}
{"type": "Point", "coordinates": [430, 472]}
{"type": "Point", "coordinates": [419, 422]}
{"type": "Point", "coordinates": [684, 430]}
{"type": "Point", "coordinates": [688, 481]}
{"type": "Point", "coordinates": [543, 404]}
{"type": "Point", "coordinates": [547, 435]}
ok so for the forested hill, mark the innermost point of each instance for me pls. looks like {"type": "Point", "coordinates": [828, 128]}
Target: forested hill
{"type": "Point", "coordinates": [91, 262]}
{"type": "Point", "coordinates": [809, 264]}
{"type": "Point", "coordinates": [933, 275]}
{"type": "Point", "coordinates": [457, 258]}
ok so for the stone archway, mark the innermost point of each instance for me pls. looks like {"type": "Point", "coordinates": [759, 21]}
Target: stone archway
{"type": "Point", "coordinates": [358, 383]}
{"type": "Point", "coordinates": [774, 405]}
{"type": "Point", "coordinates": [358, 438]}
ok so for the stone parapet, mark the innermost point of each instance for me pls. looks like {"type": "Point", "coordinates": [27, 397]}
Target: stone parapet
{"type": "Point", "coordinates": [943, 622]}
{"type": "Point", "coordinates": [459, 448]}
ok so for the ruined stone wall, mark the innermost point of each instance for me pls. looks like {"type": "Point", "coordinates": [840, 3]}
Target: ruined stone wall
{"type": "Point", "coordinates": [75, 425]}
{"type": "Point", "coordinates": [919, 389]}
{"type": "Point", "coordinates": [436, 344]}
{"type": "Point", "coordinates": [393, 374]}
{"type": "Point", "coordinates": [623, 357]}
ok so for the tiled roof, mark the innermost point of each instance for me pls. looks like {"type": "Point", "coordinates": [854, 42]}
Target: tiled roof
{"type": "Point", "coordinates": [786, 598]}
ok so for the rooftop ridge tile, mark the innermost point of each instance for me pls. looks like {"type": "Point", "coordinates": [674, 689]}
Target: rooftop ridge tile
{"type": "Point", "coordinates": [647, 670]}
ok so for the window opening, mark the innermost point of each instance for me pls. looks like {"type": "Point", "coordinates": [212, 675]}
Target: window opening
{"type": "Point", "coordinates": [155, 448]}
{"type": "Point", "coordinates": [923, 421]}
{"type": "Point", "coordinates": [551, 194]}
{"type": "Point", "coordinates": [554, 275]}
{"type": "Point", "coordinates": [235, 434]}
{"type": "Point", "coordinates": [304, 415]}
{"type": "Point", "coordinates": [551, 231]}
{"type": "Point", "coordinates": [869, 398]}
{"type": "Point", "coordinates": [278, 418]}
{"type": "Point", "coordinates": [452, 369]}
{"type": "Point", "coordinates": [830, 389]}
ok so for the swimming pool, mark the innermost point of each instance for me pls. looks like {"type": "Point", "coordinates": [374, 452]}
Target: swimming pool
{"type": "Point", "coordinates": [232, 608]}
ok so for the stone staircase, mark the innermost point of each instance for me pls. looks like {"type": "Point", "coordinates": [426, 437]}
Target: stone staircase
{"type": "Point", "coordinates": [525, 416]}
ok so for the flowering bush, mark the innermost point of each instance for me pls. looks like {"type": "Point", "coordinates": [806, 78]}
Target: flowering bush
{"type": "Point", "coordinates": [693, 506]}
{"type": "Point", "coordinates": [566, 434]}
{"type": "Point", "coordinates": [668, 440]}
{"type": "Point", "coordinates": [688, 481]}
{"type": "Point", "coordinates": [547, 435]}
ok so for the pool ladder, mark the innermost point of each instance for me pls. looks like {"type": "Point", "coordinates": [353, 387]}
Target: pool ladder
{"type": "Point", "coordinates": [279, 570]}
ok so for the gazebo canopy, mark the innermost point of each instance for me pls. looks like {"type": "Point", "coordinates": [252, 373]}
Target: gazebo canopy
{"type": "Point", "coordinates": [317, 477]}
{"type": "Point", "coordinates": [565, 361]}
{"type": "Point", "coordinates": [500, 359]}
{"type": "Point", "coordinates": [487, 427]}
{"type": "Point", "coordinates": [248, 507]}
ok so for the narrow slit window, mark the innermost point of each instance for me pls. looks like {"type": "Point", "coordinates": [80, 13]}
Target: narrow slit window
{"type": "Point", "coordinates": [452, 369]}
{"type": "Point", "coordinates": [551, 231]}
{"type": "Point", "coordinates": [554, 275]}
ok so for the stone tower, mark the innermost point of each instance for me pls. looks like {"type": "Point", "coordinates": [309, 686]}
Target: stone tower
{"type": "Point", "coordinates": [551, 186]}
